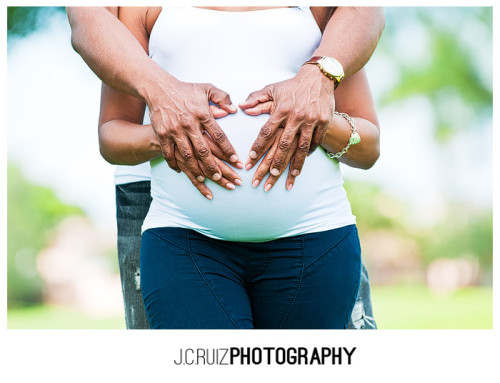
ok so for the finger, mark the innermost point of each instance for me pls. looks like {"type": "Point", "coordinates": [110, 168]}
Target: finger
{"type": "Point", "coordinates": [217, 112]}
{"type": "Point", "coordinates": [257, 97]}
{"type": "Point", "coordinates": [290, 179]}
{"type": "Point", "coordinates": [272, 179]}
{"type": "Point", "coordinates": [318, 137]}
{"type": "Point", "coordinates": [261, 108]}
{"type": "Point", "coordinates": [168, 151]}
{"type": "Point", "coordinates": [229, 177]}
{"type": "Point", "coordinates": [284, 151]}
{"type": "Point", "coordinates": [202, 188]}
{"type": "Point", "coordinates": [220, 98]}
{"type": "Point", "coordinates": [204, 154]}
{"type": "Point", "coordinates": [221, 140]}
{"type": "Point", "coordinates": [216, 150]}
{"type": "Point", "coordinates": [299, 157]}
{"type": "Point", "coordinates": [229, 174]}
{"type": "Point", "coordinates": [265, 164]}
{"type": "Point", "coordinates": [184, 153]}
{"type": "Point", "coordinates": [264, 139]}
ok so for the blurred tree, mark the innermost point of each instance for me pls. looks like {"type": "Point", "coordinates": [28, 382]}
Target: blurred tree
{"type": "Point", "coordinates": [21, 21]}
{"type": "Point", "coordinates": [462, 232]}
{"type": "Point", "coordinates": [32, 212]}
{"type": "Point", "coordinates": [449, 60]}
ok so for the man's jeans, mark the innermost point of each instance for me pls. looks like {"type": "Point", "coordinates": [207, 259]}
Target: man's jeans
{"type": "Point", "coordinates": [132, 205]}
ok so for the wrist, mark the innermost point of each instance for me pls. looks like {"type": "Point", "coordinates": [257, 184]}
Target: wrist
{"type": "Point", "coordinates": [337, 134]}
{"type": "Point", "coordinates": [340, 136]}
{"type": "Point", "coordinates": [313, 73]}
{"type": "Point", "coordinates": [329, 67]}
{"type": "Point", "coordinates": [154, 88]}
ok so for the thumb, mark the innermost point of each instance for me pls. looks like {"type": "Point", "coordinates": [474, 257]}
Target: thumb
{"type": "Point", "coordinates": [220, 98]}
{"type": "Point", "coordinates": [257, 97]}
{"type": "Point", "coordinates": [260, 108]}
{"type": "Point", "coordinates": [217, 112]}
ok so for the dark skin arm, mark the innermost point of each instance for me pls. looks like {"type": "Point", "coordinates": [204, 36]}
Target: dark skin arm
{"type": "Point", "coordinates": [122, 113]}
{"type": "Point", "coordinates": [304, 104]}
{"type": "Point", "coordinates": [127, 142]}
{"type": "Point", "coordinates": [355, 99]}
{"type": "Point", "coordinates": [103, 41]}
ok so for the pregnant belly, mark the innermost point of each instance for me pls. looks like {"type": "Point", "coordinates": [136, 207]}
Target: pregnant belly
{"type": "Point", "coordinates": [247, 213]}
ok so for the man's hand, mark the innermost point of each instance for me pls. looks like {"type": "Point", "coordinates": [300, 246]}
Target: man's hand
{"type": "Point", "coordinates": [179, 114]}
{"type": "Point", "coordinates": [303, 106]}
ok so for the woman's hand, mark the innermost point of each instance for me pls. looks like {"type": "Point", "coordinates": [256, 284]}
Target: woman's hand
{"type": "Point", "coordinates": [304, 106]}
{"type": "Point", "coordinates": [267, 161]}
{"type": "Point", "coordinates": [229, 177]}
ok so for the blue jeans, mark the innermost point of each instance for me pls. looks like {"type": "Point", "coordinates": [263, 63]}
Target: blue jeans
{"type": "Point", "coordinates": [308, 281]}
{"type": "Point", "coordinates": [132, 205]}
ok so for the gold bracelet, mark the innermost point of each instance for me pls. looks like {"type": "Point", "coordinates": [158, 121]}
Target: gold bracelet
{"type": "Point", "coordinates": [353, 139]}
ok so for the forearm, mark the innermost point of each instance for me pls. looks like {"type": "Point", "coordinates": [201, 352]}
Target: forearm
{"type": "Point", "coordinates": [362, 155]}
{"type": "Point", "coordinates": [125, 143]}
{"type": "Point", "coordinates": [351, 35]}
{"type": "Point", "coordinates": [103, 41]}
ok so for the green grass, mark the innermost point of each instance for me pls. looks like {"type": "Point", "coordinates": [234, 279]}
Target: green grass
{"type": "Point", "coordinates": [415, 307]}
{"type": "Point", "coordinates": [395, 307]}
{"type": "Point", "coordinates": [56, 317]}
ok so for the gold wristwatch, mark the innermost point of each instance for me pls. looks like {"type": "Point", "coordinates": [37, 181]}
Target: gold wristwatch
{"type": "Point", "coordinates": [329, 66]}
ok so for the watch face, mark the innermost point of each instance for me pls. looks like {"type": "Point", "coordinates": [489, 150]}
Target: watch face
{"type": "Point", "coordinates": [332, 66]}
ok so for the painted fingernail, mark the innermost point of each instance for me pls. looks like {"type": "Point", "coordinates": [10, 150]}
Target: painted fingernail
{"type": "Point", "coordinates": [268, 187]}
{"type": "Point", "coordinates": [253, 154]}
{"type": "Point", "coordinates": [232, 108]}
{"type": "Point", "coordinates": [233, 158]}
{"type": "Point", "coordinates": [289, 187]}
{"type": "Point", "coordinates": [255, 183]}
{"type": "Point", "coordinates": [295, 172]}
{"type": "Point", "coordinates": [200, 178]}
{"type": "Point", "coordinates": [208, 197]}
{"type": "Point", "coordinates": [230, 186]}
{"type": "Point", "coordinates": [240, 165]}
{"type": "Point", "coordinates": [216, 177]}
{"type": "Point", "coordinates": [238, 182]}
{"type": "Point", "coordinates": [248, 166]}
{"type": "Point", "coordinates": [275, 172]}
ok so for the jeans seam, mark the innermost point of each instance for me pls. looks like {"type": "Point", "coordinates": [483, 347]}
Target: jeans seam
{"type": "Point", "coordinates": [152, 232]}
{"type": "Point", "coordinates": [331, 247]}
{"type": "Point", "coordinates": [297, 289]}
{"type": "Point", "coordinates": [207, 283]}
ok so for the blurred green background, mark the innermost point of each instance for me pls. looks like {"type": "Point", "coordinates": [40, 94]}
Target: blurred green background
{"type": "Point", "coordinates": [429, 269]}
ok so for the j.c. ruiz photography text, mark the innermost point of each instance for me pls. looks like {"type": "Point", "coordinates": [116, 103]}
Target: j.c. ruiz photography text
{"type": "Point", "coordinates": [266, 355]}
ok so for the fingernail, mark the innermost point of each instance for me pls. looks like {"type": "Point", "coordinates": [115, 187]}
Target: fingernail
{"type": "Point", "coordinates": [248, 166]}
{"type": "Point", "coordinates": [295, 172]}
{"type": "Point", "coordinates": [253, 154]}
{"type": "Point", "coordinates": [239, 165]}
{"type": "Point", "coordinates": [268, 187]}
{"type": "Point", "coordinates": [233, 158]}
{"type": "Point", "coordinates": [256, 183]}
{"type": "Point", "coordinates": [200, 178]}
{"type": "Point", "coordinates": [275, 172]}
{"type": "Point", "coordinates": [209, 197]}
{"type": "Point", "coordinates": [289, 187]}
{"type": "Point", "coordinates": [216, 177]}
{"type": "Point", "coordinates": [232, 108]}
{"type": "Point", "coordinates": [229, 185]}
{"type": "Point", "coordinates": [238, 182]}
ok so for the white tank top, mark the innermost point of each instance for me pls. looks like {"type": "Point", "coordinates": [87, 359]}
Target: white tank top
{"type": "Point", "coordinates": [241, 52]}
